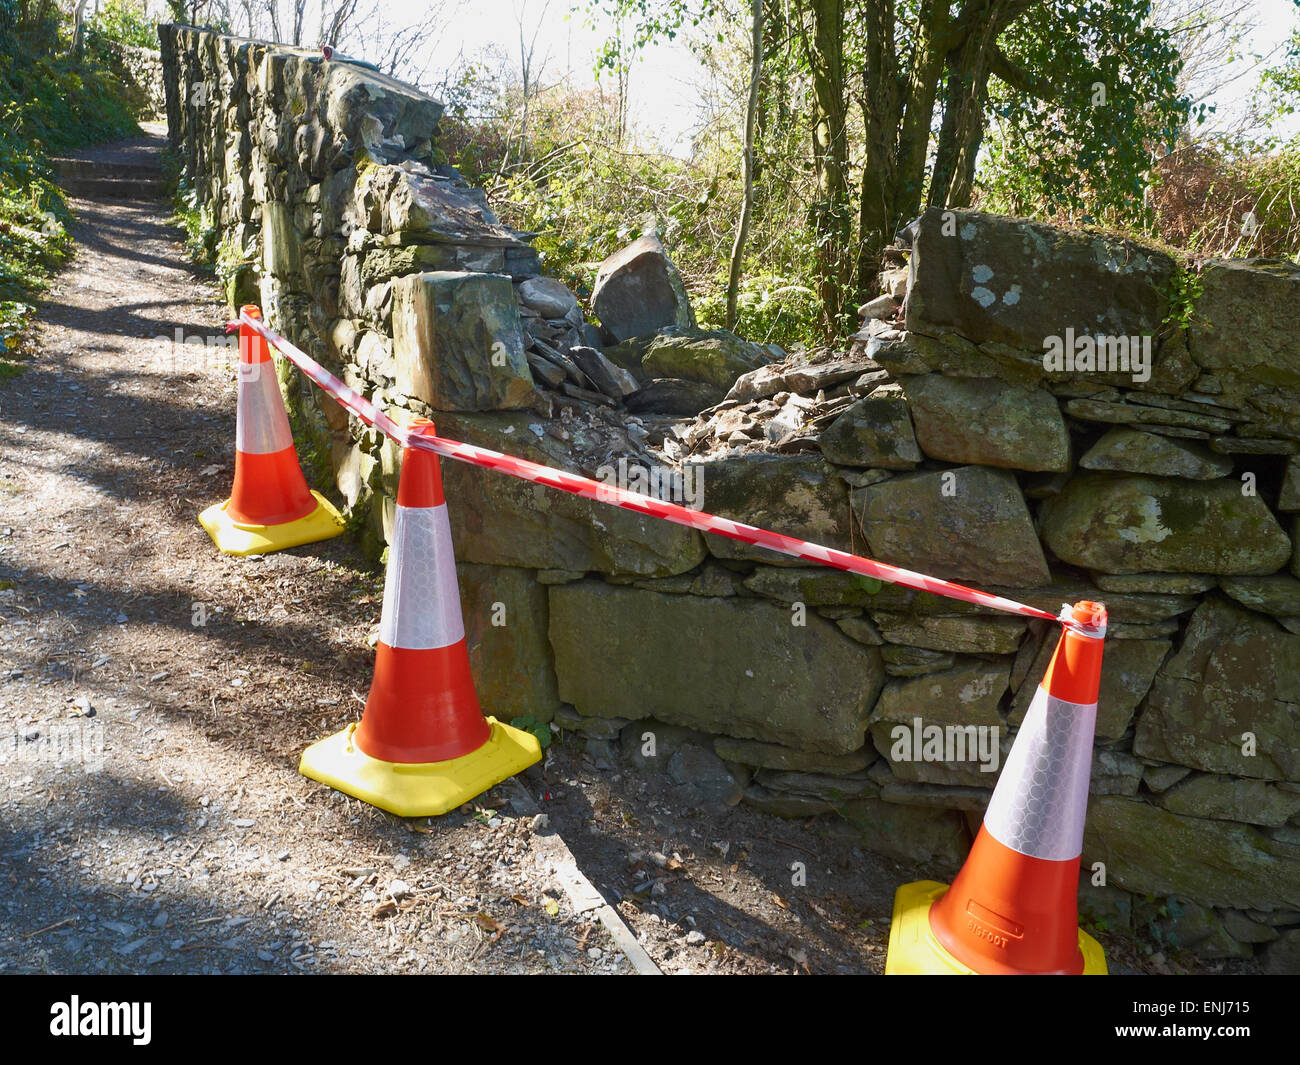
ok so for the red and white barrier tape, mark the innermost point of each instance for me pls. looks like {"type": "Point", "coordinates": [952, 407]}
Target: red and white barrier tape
{"type": "Point", "coordinates": [605, 493]}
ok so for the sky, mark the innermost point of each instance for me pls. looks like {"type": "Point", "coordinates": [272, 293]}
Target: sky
{"type": "Point", "coordinates": [663, 98]}
{"type": "Point", "coordinates": [1274, 22]}
{"type": "Point", "coordinates": [665, 84]}
{"type": "Point", "coordinates": [665, 95]}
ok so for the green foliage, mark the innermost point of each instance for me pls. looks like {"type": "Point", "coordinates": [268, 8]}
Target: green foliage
{"type": "Point", "coordinates": [587, 199]}
{"type": "Point", "coordinates": [48, 103]}
{"type": "Point", "coordinates": [200, 233]}
{"type": "Point", "coordinates": [586, 189]}
{"type": "Point", "coordinates": [540, 729]}
{"type": "Point", "coordinates": [1185, 290]}
{"type": "Point", "coordinates": [125, 22]}
{"type": "Point", "coordinates": [770, 308]}
{"type": "Point", "coordinates": [111, 39]}
{"type": "Point", "coordinates": [33, 240]}
{"type": "Point", "coordinates": [58, 104]}
{"type": "Point", "coordinates": [33, 233]}
{"type": "Point", "coordinates": [1171, 909]}
{"type": "Point", "coordinates": [29, 27]}
{"type": "Point", "coordinates": [582, 192]}
{"type": "Point", "coordinates": [654, 20]}
{"type": "Point", "coordinates": [33, 237]}
{"type": "Point", "coordinates": [1081, 151]}
{"type": "Point", "coordinates": [1082, 100]}
{"type": "Point", "coordinates": [1211, 201]}
{"type": "Point", "coordinates": [201, 236]}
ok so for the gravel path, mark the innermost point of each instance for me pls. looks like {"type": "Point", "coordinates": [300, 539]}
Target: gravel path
{"type": "Point", "coordinates": [179, 686]}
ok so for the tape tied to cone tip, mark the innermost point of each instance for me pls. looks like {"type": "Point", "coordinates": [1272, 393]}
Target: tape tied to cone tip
{"type": "Point", "coordinates": [1087, 618]}
{"type": "Point", "coordinates": [1092, 625]}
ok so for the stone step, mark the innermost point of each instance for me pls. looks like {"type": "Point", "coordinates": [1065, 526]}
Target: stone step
{"type": "Point", "coordinates": [71, 169]}
{"type": "Point", "coordinates": [114, 189]}
{"type": "Point", "coordinates": [100, 179]}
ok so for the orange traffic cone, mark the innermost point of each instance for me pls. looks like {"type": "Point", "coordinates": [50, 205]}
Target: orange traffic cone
{"type": "Point", "coordinates": [423, 746]}
{"type": "Point", "coordinates": [270, 507]}
{"type": "Point", "coordinates": [1013, 908]}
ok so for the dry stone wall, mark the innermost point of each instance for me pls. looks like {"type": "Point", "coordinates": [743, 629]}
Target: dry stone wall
{"type": "Point", "coordinates": [141, 70]}
{"type": "Point", "coordinates": [1051, 414]}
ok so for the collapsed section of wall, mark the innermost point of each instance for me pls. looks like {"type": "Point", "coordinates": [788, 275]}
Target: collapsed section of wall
{"type": "Point", "coordinates": [1050, 414]}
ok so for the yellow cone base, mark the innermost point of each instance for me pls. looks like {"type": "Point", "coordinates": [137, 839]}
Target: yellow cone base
{"type": "Point", "coordinates": [233, 538]}
{"type": "Point", "coordinates": [914, 950]}
{"type": "Point", "coordinates": [423, 789]}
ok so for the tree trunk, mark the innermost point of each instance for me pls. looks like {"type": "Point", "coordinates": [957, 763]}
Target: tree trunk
{"type": "Point", "coordinates": [918, 116]}
{"type": "Point", "coordinates": [746, 164]}
{"type": "Point", "coordinates": [964, 100]}
{"type": "Point", "coordinates": [830, 214]}
{"type": "Point", "coordinates": [898, 110]}
{"type": "Point", "coordinates": [881, 117]}
{"type": "Point", "coordinates": [960, 136]}
{"type": "Point", "coordinates": [78, 33]}
{"type": "Point", "coordinates": [898, 118]}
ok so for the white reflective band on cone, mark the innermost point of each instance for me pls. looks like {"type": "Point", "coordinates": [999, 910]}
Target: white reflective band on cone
{"type": "Point", "coordinates": [261, 425]}
{"type": "Point", "coordinates": [421, 603]}
{"type": "Point", "coordinates": [1040, 801]}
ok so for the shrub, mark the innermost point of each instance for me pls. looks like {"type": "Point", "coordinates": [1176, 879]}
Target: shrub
{"type": "Point", "coordinates": [48, 102]}
{"type": "Point", "coordinates": [1211, 203]}
{"type": "Point", "coordinates": [126, 23]}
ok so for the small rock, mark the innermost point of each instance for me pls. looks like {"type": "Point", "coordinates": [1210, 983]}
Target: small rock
{"type": "Point", "coordinates": [883, 307]}
{"type": "Point", "coordinates": [614, 381]}
{"type": "Point", "coordinates": [544, 371]}
{"type": "Point", "coordinates": [548, 297]}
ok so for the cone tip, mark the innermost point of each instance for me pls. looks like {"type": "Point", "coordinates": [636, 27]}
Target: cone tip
{"type": "Point", "coordinates": [1089, 615]}
{"type": "Point", "coordinates": [420, 484]}
{"type": "Point", "coordinates": [252, 310]}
